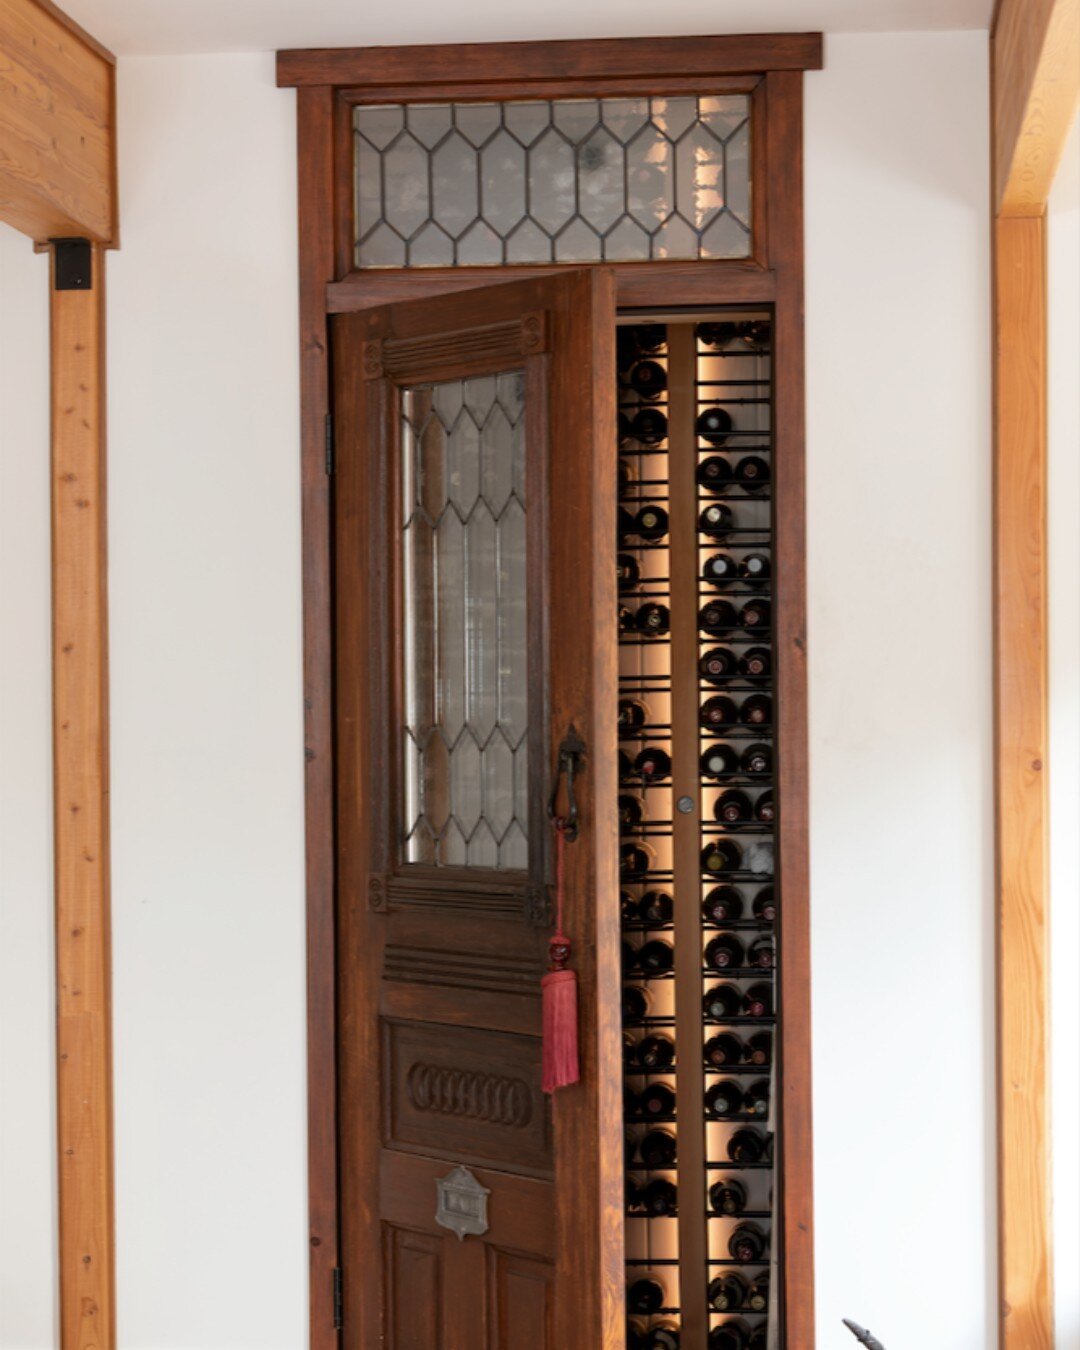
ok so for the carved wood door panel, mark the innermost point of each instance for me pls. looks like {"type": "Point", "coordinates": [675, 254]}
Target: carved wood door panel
{"type": "Point", "coordinates": [475, 588]}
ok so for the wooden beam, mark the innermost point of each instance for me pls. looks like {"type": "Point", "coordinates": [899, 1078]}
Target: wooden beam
{"type": "Point", "coordinates": [1035, 73]}
{"type": "Point", "coordinates": [57, 126]}
{"type": "Point", "coordinates": [1020, 647]}
{"type": "Point", "coordinates": [81, 814]}
{"type": "Point", "coordinates": [536, 62]}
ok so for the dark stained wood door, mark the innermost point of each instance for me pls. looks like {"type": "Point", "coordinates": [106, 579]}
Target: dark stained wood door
{"type": "Point", "coordinates": [475, 603]}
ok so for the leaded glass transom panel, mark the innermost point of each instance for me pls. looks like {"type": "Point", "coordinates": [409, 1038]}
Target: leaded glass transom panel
{"type": "Point", "coordinates": [551, 181]}
{"type": "Point", "coordinates": [464, 566]}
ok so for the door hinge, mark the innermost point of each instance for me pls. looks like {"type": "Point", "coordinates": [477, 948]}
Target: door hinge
{"type": "Point", "coordinates": [329, 444]}
{"type": "Point", "coordinates": [339, 1319]}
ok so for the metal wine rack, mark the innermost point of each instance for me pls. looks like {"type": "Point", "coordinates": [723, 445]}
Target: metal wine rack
{"type": "Point", "coordinates": [678, 1239]}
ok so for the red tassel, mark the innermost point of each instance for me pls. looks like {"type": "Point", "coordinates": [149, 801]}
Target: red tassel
{"type": "Point", "coordinates": [558, 988]}
{"type": "Point", "coordinates": [559, 1066]}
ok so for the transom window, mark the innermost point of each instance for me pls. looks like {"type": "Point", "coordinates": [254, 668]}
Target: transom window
{"type": "Point", "coordinates": [552, 181]}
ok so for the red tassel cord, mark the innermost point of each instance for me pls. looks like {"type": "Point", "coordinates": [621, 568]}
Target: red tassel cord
{"type": "Point", "coordinates": [559, 1066]}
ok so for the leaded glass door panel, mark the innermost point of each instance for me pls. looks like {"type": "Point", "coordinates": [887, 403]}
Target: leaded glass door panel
{"type": "Point", "coordinates": [474, 586]}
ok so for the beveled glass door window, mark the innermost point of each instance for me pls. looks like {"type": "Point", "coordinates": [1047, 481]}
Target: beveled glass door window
{"type": "Point", "coordinates": [552, 181]}
{"type": "Point", "coordinates": [465, 638]}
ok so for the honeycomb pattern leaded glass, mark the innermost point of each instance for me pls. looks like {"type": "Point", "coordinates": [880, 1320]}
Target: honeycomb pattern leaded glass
{"type": "Point", "coordinates": [464, 564]}
{"type": "Point", "coordinates": [570, 180]}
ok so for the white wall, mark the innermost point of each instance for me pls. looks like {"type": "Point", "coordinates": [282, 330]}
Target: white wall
{"type": "Point", "coordinates": [900, 715]}
{"type": "Point", "coordinates": [207, 749]}
{"type": "Point", "coordinates": [1063, 265]}
{"type": "Point", "coordinates": [27, 1097]}
{"type": "Point", "coordinates": [206, 703]}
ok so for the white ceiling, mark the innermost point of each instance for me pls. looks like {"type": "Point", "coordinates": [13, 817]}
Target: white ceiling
{"type": "Point", "coordinates": [159, 27]}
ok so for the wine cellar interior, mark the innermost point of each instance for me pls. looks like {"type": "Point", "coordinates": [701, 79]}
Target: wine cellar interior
{"type": "Point", "coordinates": [700, 901]}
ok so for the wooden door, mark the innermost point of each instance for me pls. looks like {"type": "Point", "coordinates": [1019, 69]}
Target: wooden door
{"type": "Point", "coordinates": [475, 602]}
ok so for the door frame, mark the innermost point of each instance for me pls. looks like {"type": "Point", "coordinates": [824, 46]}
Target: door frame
{"type": "Point", "coordinates": [328, 84]}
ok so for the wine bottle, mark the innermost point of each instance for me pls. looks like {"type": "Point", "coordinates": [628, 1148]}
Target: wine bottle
{"type": "Point", "coordinates": [660, 1198]}
{"type": "Point", "coordinates": [633, 714]}
{"type": "Point", "coordinates": [723, 1099]}
{"type": "Point", "coordinates": [645, 1296]}
{"type": "Point", "coordinates": [755, 663]}
{"type": "Point", "coordinates": [758, 1049]}
{"type": "Point", "coordinates": [756, 1098]}
{"type": "Point", "coordinates": [629, 957]}
{"type": "Point", "coordinates": [648, 379]}
{"type": "Point", "coordinates": [755, 334]}
{"type": "Point", "coordinates": [653, 619]}
{"type": "Point", "coordinates": [765, 905]}
{"type": "Point", "coordinates": [718, 760]}
{"type": "Point", "coordinates": [758, 1297]}
{"type": "Point", "coordinates": [756, 759]}
{"type": "Point", "coordinates": [628, 908]}
{"type": "Point", "coordinates": [727, 1292]}
{"type": "Point", "coordinates": [717, 520]}
{"type": "Point", "coordinates": [626, 620]}
{"type": "Point", "coordinates": [722, 1002]}
{"type": "Point", "coordinates": [727, 1196]}
{"type": "Point", "coordinates": [722, 905]}
{"type": "Point", "coordinates": [758, 1001]}
{"type": "Point", "coordinates": [762, 953]}
{"type": "Point", "coordinates": [721, 855]}
{"type": "Point", "coordinates": [626, 766]}
{"type": "Point", "coordinates": [723, 1049]}
{"type": "Point", "coordinates": [732, 806]}
{"type": "Point", "coordinates": [747, 1145]}
{"type": "Point", "coordinates": [748, 1242]}
{"type": "Point", "coordinates": [755, 569]}
{"type": "Point", "coordinates": [635, 1003]}
{"type": "Point", "coordinates": [755, 614]}
{"type": "Point", "coordinates": [718, 663]}
{"type": "Point", "coordinates": [759, 1339]}
{"type": "Point", "coordinates": [627, 476]}
{"type": "Point", "coordinates": [659, 1149]}
{"type": "Point", "coordinates": [756, 711]}
{"type": "Point", "coordinates": [657, 1100]}
{"type": "Point", "coordinates": [724, 951]}
{"type": "Point", "coordinates": [651, 523]}
{"type": "Point", "coordinates": [635, 859]}
{"type": "Point", "coordinates": [662, 1336]}
{"type": "Point", "coordinates": [629, 1050]}
{"type": "Point", "coordinates": [633, 1195]}
{"type": "Point", "coordinates": [631, 811]}
{"type": "Point", "coordinates": [656, 957]}
{"type": "Point", "coordinates": [720, 567]}
{"type": "Point", "coordinates": [753, 473]}
{"type": "Point", "coordinates": [718, 616]}
{"type": "Point", "coordinates": [625, 524]}
{"type": "Point", "coordinates": [734, 1334]}
{"type": "Point", "coordinates": [716, 334]}
{"type": "Point", "coordinates": [765, 808]}
{"type": "Point", "coordinates": [649, 426]}
{"type": "Point", "coordinates": [714, 425]}
{"type": "Point", "coordinates": [629, 1146]}
{"type": "Point", "coordinates": [629, 1101]}
{"type": "Point", "coordinates": [623, 425]}
{"type": "Point", "coordinates": [656, 907]}
{"type": "Point", "coordinates": [650, 337]}
{"type": "Point", "coordinates": [653, 763]}
{"type": "Point", "coordinates": [655, 1052]}
{"type": "Point", "coordinates": [627, 572]}
{"type": "Point", "coordinates": [713, 473]}
{"type": "Point", "coordinates": [718, 711]}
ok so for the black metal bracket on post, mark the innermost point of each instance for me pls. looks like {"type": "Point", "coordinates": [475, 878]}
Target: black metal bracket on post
{"type": "Point", "coordinates": [73, 267]}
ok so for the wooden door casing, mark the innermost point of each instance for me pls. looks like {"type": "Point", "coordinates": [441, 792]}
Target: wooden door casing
{"type": "Point", "coordinates": [438, 968]}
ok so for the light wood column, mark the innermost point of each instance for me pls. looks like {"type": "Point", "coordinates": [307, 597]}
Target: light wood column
{"type": "Point", "coordinates": [81, 806]}
{"type": "Point", "coordinates": [1020, 789]}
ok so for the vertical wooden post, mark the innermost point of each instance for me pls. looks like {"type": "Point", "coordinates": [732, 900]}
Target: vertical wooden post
{"type": "Point", "coordinates": [81, 808]}
{"type": "Point", "coordinates": [1020, 685]}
